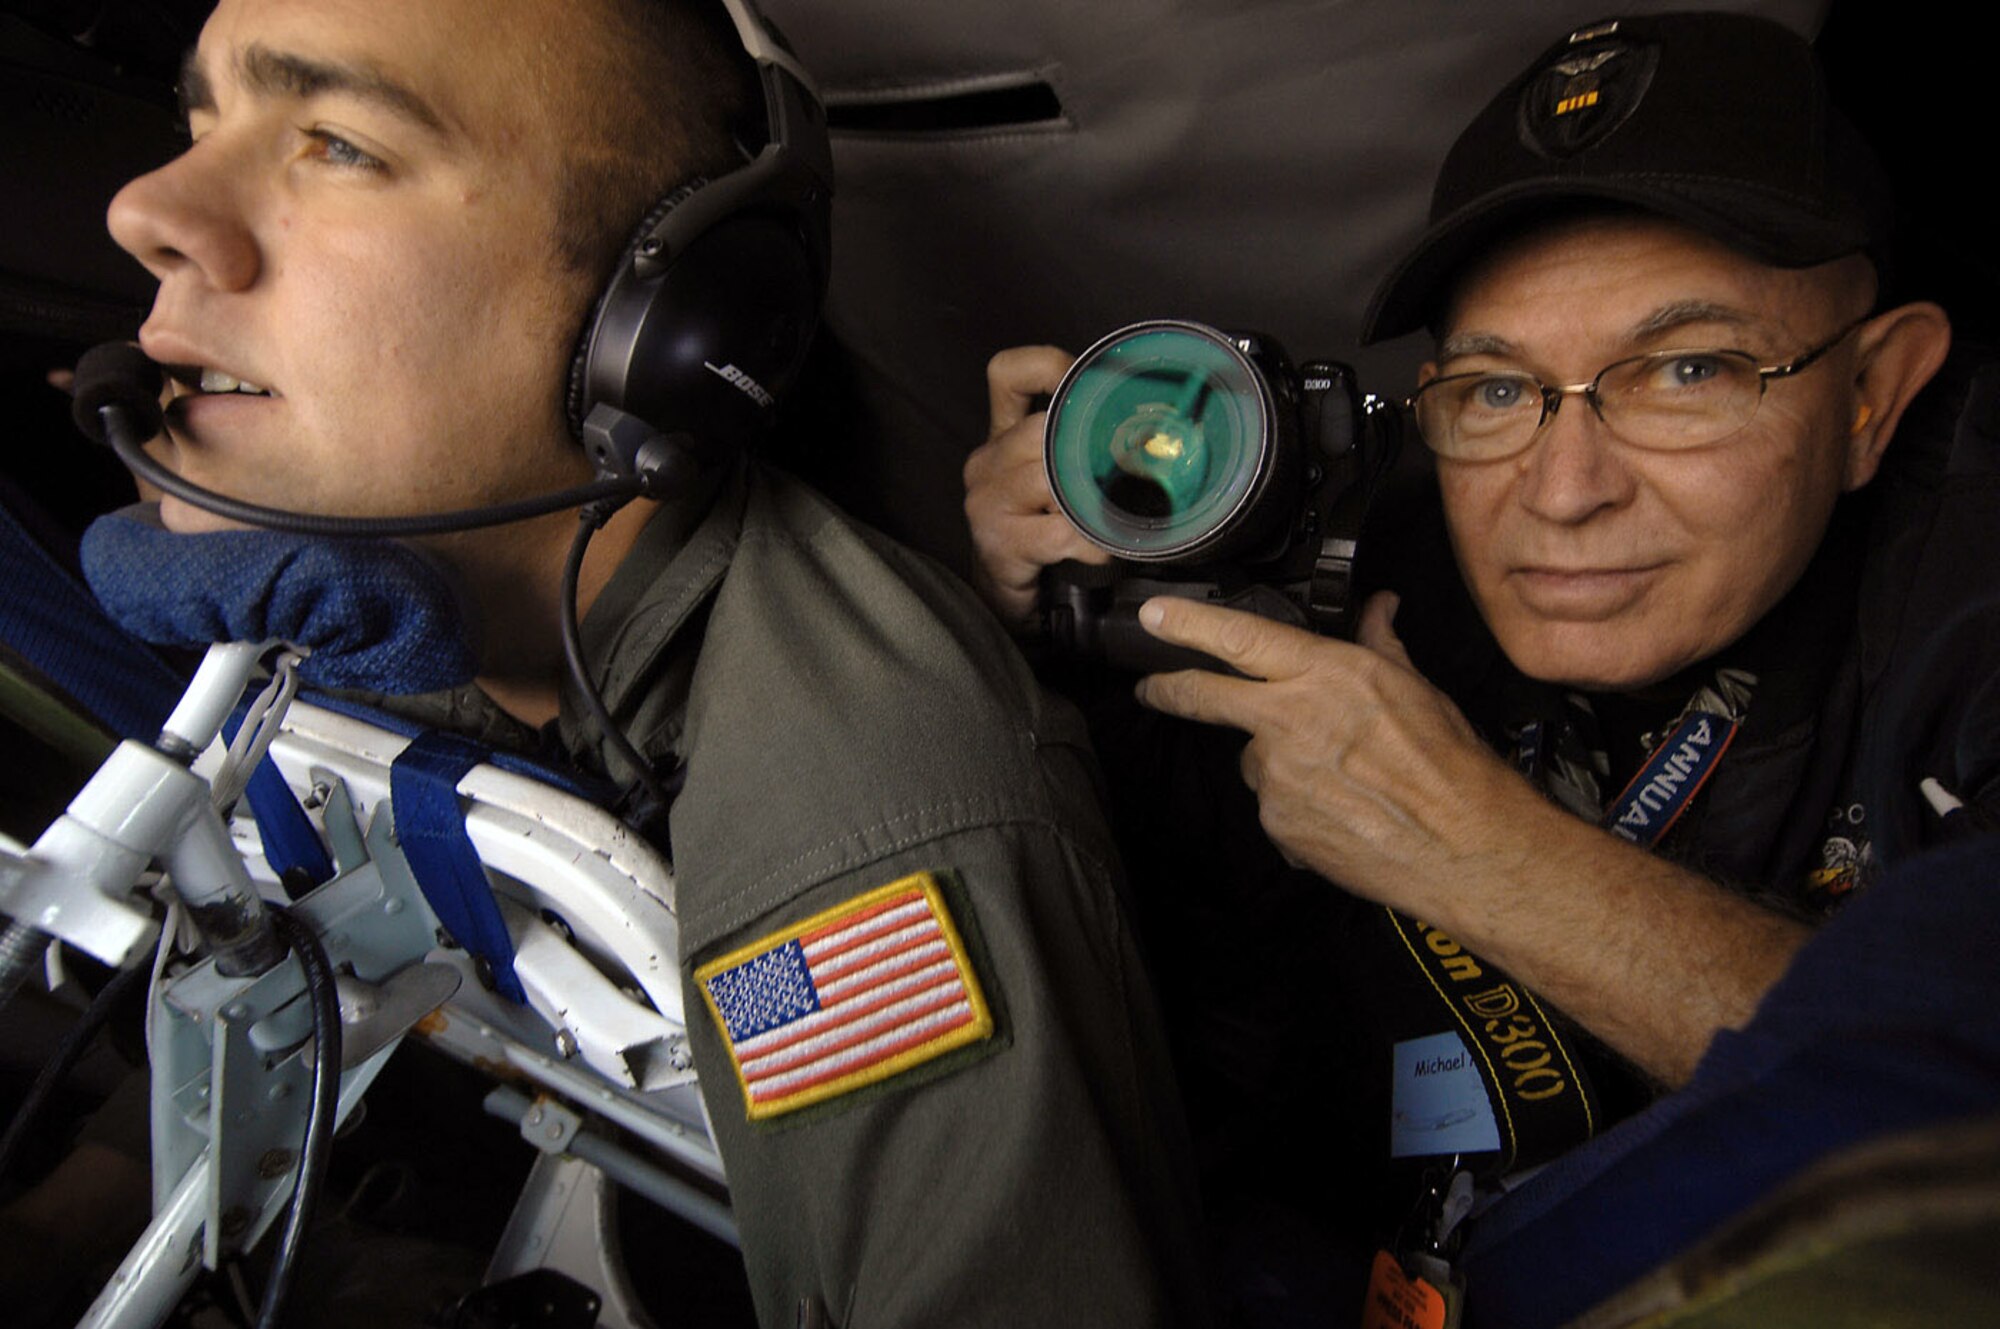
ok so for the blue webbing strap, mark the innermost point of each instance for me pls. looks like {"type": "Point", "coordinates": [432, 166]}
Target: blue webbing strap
{"type": "Point", "coordinates": [590, 788]}
{"type": "Point", "coordinates": [430, 826]}
{"type": "Point", "coordinates": [290, 840]}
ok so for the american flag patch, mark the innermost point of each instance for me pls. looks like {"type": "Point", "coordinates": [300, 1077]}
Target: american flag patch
{"type": "Point", "coordinates": [846, 998]}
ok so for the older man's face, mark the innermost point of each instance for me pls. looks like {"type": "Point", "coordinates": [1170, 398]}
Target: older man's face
{"type": "Point", "coordinates": [1599, 564]}
{"type": "Point", "coordinates": [363, 230]}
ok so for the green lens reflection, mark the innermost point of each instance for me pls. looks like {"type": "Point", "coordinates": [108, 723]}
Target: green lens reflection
{"type": "Point", "coordinates": [1155, 438]}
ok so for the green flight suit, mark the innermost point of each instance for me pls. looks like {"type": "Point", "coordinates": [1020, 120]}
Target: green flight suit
{"type": "Point", "coordinates": [849, 715]}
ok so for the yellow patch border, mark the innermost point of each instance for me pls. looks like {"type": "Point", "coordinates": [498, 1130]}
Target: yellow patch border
{"type": "Point", "coordinates": [979, 1030]}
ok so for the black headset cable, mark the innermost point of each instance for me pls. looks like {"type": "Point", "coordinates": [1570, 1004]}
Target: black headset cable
{"type": "Point", "coordinates": [323, 999]}
{"type": "Point", "coordinates": [589, 520]}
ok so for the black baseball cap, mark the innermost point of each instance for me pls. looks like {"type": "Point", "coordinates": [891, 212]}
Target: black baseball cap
{"type": "Point", "coordinates": [1719, 121]}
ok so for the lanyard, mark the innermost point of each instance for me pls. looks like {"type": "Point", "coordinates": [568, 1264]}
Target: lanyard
{"type": "Point", "coordinates": [1670, 779]}
{"type": "Point", "coordinates": [1538, 1101]}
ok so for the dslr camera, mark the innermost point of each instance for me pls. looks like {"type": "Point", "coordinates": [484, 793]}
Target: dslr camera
{"type": "Point", "coordinates": [1210, 468]}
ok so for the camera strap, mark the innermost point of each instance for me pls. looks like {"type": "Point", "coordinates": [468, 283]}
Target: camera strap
{"type": "Point", "coordinates": [1499, 1084]}
{"type": "Point", "coordinates": [1500, 1089]}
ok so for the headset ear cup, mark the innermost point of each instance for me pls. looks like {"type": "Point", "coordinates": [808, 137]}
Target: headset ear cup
{"type": "Point", "coordinates": [706, 320]}
{"type": "Point", "coordinates": [579, 365]}
{"type": "Point", "coordinates": [704, 342]}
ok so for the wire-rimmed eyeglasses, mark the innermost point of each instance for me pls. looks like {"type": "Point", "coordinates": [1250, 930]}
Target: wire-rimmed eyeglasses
{"type": "Point", "coordinates": [1663, 400]}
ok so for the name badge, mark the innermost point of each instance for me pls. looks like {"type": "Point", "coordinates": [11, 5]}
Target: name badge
{"type": "Point", "coordinates": [1437, 1101]}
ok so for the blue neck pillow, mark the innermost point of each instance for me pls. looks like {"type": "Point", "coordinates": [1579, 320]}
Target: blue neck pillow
{"type": "Point", "coordinates": [374, 614]}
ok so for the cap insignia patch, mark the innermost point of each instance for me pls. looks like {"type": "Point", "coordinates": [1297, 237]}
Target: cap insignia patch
{"type": "Point", "coordinates": [1608, 81]}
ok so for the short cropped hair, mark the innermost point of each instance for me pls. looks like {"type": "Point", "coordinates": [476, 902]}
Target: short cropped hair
{"type": "Point", "coordinates": [665, 99]}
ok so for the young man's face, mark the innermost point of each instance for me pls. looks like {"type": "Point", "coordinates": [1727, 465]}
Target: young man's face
{"type": "Point", "coordinates": [1599, 564]}
{"type": "Point", "coordinates": [363, 227]}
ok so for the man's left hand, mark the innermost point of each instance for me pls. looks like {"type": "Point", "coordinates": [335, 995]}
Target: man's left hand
{"type": "Point", "coordinates": [1363, 771]}
{"type": "Point", "coordinates": [1369, 776]}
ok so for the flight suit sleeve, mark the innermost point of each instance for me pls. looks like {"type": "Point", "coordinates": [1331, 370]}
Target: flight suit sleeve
{"type": "Point", "coordinates": [916, 1168]}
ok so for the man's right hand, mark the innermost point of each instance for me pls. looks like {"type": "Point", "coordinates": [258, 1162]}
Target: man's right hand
{"type": "Point", "coordinates": [1017, 529]}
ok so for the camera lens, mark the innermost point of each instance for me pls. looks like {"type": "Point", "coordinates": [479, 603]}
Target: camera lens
{"type": "Point", "coordinates": [1159, 438]}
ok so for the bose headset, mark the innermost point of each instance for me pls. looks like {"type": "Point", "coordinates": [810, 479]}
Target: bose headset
{"type": "Point", "coordinates": [706, 319]}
